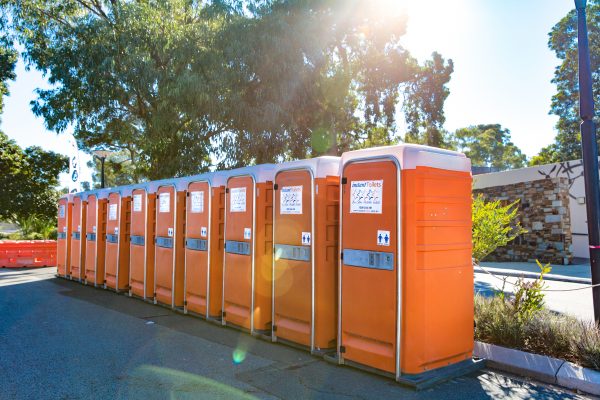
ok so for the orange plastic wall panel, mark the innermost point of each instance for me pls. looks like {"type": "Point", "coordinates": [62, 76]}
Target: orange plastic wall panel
{"type": "Point", "coordinates": [196, 260]}
{"type": "Point", "coordinates": [327, 214]}
{"type": "Point", "coordinates": [117, 254]}
{"type": "Point", "coordinates": [169, 261]}
{"type": "Point", "coordinates": [237, 274]}
{"type": "Point", "coordinates": [95, 248]}
{"type": "Point", "coordinates": [293, 278]}
{"type": "Point", "coordinates": [63, 243]}
{"type": "Point", "coordinates": [368, 295]}
{"type": "Point", "coordinates": [437, 309]}
{"type": "Point", "coordinates": [137, 251]}
{"type": "Point", "coordinates": [78, 242]}
{"type": "Point", "coordinates": [263, 263]}
{"type": "Point", "coordinates": [217, 232]}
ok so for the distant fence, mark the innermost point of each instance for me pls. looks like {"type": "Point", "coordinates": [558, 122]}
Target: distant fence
{"type": "Point", "coordinates": [27, 253]}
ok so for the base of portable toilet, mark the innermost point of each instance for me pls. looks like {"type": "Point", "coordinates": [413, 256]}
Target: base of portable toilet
{"type": "Point", "coordinates": [420, 381]}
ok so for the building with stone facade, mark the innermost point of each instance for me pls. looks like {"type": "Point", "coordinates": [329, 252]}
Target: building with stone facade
{"type": "Point", "coordinates": [551, 208]}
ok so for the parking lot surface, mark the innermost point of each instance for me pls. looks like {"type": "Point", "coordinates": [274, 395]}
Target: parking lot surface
{"type": "Point", "coordinates": [62, 340]}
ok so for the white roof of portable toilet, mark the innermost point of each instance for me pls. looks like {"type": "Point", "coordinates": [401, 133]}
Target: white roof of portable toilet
{"type": "Point", "coordinates": [410, 156]}
{"type": "Point", "coordinates": [321, 167]}
{"type": "Point", "coordinates": [260, 173]}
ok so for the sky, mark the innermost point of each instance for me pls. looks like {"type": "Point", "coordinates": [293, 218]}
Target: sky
{"type": "Point", "coordinates": [502, 70]}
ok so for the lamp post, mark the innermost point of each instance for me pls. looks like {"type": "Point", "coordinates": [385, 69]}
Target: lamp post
{"type": "Point", "coordinates": [589, 149]}
{"type": "Point", "coordinates": [101, 155]}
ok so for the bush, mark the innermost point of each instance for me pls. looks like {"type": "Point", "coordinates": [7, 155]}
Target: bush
{"type": "Point", "coordinates": [494, 225]}
{"type": "Point", "coordinates": [548, 333]}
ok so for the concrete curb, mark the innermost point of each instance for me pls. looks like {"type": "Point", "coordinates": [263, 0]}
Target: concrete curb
{"type": "Point", "coordinates": [543, 368]}
{"type": "Point", "coordinates": [532, 275]}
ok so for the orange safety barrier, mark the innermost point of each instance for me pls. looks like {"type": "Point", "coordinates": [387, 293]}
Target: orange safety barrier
{"type": "Point", "coordinates": [27, 253]}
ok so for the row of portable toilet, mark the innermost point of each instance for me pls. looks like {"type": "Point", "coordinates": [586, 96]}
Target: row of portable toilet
{"type": "Point", "coordinates": [368, 255]}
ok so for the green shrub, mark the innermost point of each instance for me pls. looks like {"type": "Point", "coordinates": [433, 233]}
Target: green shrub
{"type": "Point", "coordinates": [494, 225]}
{"type": "Point", "coordinates": [545, 332]}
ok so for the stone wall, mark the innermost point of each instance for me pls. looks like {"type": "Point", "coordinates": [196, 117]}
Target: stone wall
{"type": "Point", "coordinates": [544, 213]}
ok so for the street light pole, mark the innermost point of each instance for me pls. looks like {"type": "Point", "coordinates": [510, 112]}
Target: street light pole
{"type": "Point", "coordinates": [102, 172]}
{"type": "Point", "coordinates": [589, 148]}
{"type": "Point", "coordinates": [101, 155]}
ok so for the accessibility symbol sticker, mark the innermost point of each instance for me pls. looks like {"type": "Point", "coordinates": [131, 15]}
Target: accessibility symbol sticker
{"type": "Point", "coordinates": [383, 238]}
{"type": "Point", "coordinates": [306, 238]}
{"type": "Point", "coordinates": [203, 231]}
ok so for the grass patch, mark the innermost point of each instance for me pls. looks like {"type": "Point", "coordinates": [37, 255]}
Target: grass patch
{"type": "Point", "coordinates": [499, 322]}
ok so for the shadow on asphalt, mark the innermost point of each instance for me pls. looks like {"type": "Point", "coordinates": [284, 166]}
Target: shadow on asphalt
{"type": "Point", "coordinates": [293, 373]}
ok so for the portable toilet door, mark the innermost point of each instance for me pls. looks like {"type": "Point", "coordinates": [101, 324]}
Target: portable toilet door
{"type": "Point", "coordinates": [406, 277]}
{"type": "Point", "coordinates": [141, 262]}
{"type": "Point", "coordinates": [305, 261]}
{"type": "Point", "coordinates": [169, 249]}
{"type": "Point", "coordinates": [63, 238]}
{"type": "Point", "coordinates": [116, 267]}
{"type": "Point", "coordinates": [95, 239]}
{"type": "Point", "coordinates": [197, 246]}
{"type": "Point", "coordinates": [247, 263]}
{"type": "Point", "coordinates": [78, 242]}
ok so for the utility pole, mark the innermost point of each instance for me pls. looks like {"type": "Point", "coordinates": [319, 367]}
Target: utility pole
{"type": "Point", "coordinates": [589, 149]}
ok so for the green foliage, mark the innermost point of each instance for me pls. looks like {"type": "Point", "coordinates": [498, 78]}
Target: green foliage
{"type": "Point", "coordinates": [555, 335]}
{"type": "Point", "coordinates": [118, 170]}
{"type": "Point", "coordinates": [489, 145]}
{"type": "Point", "coordinates": [494, 225]}
{"type": "Point", "coordinates": [35, 227]}
{"type": "Point", "coordinates": [565, 103]}
{"type": "Point", "coordinates": [528, 298]}
{"type": "Point", "coordinates": [180, 86]}
{"type": "Point", "coordinates": [424, 103]}
{"type": "Point", "coordinates": [27, 181]}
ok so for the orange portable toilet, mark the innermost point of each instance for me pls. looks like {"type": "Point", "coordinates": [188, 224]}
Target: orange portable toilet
{"type": "Point", "coordinates": [116, 258]}
{"type": "Point", "coordinates": [406, 277]}
{"type": "Point", "coordinates": [63, 238]}
{"type": "Point", "coordinates": [95, 237]}
{"type": "Point", "coordinates": [78, 242]}
{"type": "Point", "coordinates": [305, 260]}
{"type": "Point", "coordinates": [141, 250]}
{"type": "Point", "coordinates": [204, 243]}
{"type": "Point", "coordinates": [247, 265]}
{"type": "Point", "coordinates": [169, 243]}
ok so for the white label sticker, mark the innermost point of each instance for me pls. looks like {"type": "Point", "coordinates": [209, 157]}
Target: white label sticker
{"type": "Point", "coordinates": [366, 197]}
{"type": "Point", "coordinates": [290, 200]}
{"type": "Point", "coordinates": [383, 238]}
{"type": "Point", "coordinates": [164, 202]}
{"type": "Point", "coordinates": [237, 202]}
{"type": "Point", "coordinates": [247, 233]}
{"type": "Point", "coordinates": [64, 228]}
{"type": "Point", "coordinates": [78, 228]}
{"type": "Point", "coordinates": [203, 231]}
{"type": "Point", "coordinates": [112, 212]}
{"type": "Point", "coordinates": [170, 232]}
{"type": "Point", "coordinates": [94, 229]}
{"type": "Point", "coordinates": [137, 202]}
{"type": "Point", "coordinates": [116, 230]}
{"type": "Point", "coordinates": [61, 211]}
{"type": "Point", "coordinates": [306, 238]}
{"type": "Point", "coordinates": [197, 202]}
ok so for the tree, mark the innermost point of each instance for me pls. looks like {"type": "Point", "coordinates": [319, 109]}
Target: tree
{"type": "Point", "coordinates": [28, 181]}
{"type": "Point", "coordinates": [118, 170]}
{"type": "Point", "coordinates": [181, 85]}
{"type": "Point", "coordinates": [424, 103]}
{"type": "Point", "coordinates": [565, 103]}
{"type": "Point", "coordinates": [490, 146]}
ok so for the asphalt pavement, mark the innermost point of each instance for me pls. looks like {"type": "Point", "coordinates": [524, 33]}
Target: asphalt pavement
{"type": "Point", "coordinates": [62, 340]}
